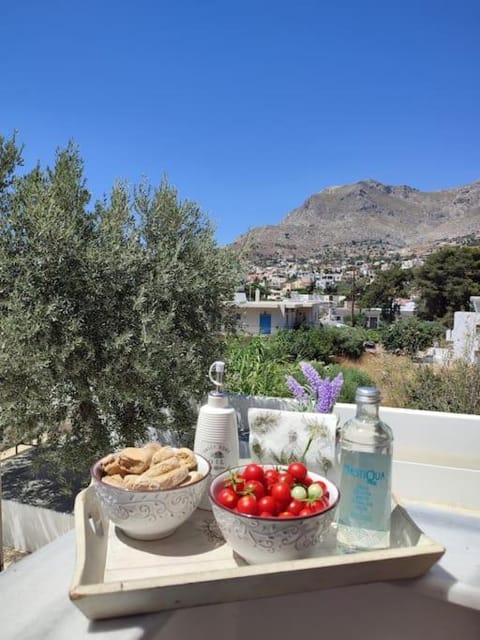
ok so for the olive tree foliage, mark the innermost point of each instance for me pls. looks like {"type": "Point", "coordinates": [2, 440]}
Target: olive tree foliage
{"type": "Point", "coordinates": [109, 317]}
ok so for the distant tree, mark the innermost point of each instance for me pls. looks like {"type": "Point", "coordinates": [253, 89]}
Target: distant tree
{"type": "Point", "coordinates": [446, 280]}
{"type": "Point", "coordinates": [388, 285]}
{"type": "Point", "coordinates": [108, 318]}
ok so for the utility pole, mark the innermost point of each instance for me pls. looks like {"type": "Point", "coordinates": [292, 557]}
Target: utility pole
{"type": "Point", "coordinates": [353, 297]}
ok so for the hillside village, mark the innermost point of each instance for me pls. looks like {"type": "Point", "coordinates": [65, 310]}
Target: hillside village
{"type": "Point", "coordinates": [313, 291]}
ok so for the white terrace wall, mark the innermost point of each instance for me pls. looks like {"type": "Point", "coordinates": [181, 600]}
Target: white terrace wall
{"type": "Point", "coordinates": [426, 445]}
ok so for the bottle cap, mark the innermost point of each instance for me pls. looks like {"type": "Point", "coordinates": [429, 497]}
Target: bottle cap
{"type": "Point", "coordinates": [370, 395]}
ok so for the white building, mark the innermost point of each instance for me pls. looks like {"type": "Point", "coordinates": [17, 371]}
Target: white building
{"type": "Point", "coordinates": [328, 279]}
{"type": "Point", "coordinates": [266, 317]}
{"type": "Point", "coordinates": [465, 334]}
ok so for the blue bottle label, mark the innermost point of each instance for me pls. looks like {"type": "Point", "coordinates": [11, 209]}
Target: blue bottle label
{"type": "Point", "coordinates": [365, 490]}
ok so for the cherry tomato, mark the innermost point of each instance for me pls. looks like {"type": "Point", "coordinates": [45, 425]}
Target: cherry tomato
{"type": "Point", "coordinates": [248, 505]}
{"type": "Point", "coordinates": [324, 486]}
{"type": "Point", "coordinates": [235, 481]}
{"type": "Point", "coordinates": [270, 477]}
{"type": "Point", "coordinates": [315, 491]}
{"type": "Point", "coordinates": [266, 514]}
{"type": "Point", "coordinates": [253, 472]}
{"type": "Point", "coordinates": [267, 503]}
{"type": "Point", "coordinates": [295, 506]}
{"type": "Point", "coordinates": [280, 492]}
{"type": "Point", "coordinates": [297, 470]}
{"type": "Point", "coordinates": [286, 514]}
{"type": "Point", "coordinates": [284, 476]}
{"type": "Point", "coordinates": [306, 511]}
{"type": "Point", "coordinates": [227, 498]}
{"type": "Point", "coordinates": [255, 487]}
{"type": "Point", "coordinates": [299, 492]}
{"type": "Point", "coordinates": [307, 481]}
{"type": "Point", "coordinates": [317, 505]}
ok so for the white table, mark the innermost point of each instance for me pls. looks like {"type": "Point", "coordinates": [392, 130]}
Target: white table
{"type": "Point", "coordinates": [445, 603]}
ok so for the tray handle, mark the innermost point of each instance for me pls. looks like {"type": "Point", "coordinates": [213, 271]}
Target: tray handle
{"type": "Point", "coordinates": [91, 529]}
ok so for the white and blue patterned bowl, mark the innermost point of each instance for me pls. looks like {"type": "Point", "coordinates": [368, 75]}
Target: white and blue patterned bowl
{"type": "Point", "coordinates": [260, 540]}
{"type": "Point", "coordinates": [150, 514]}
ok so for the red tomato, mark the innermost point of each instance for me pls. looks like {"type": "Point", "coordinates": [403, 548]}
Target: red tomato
{"type": "Point", "coordinates": [267, 503]}
{"type": "Point", "coordinates": [295, 506]}
{"type": "Point", "coordinates": [248, 505]}
{"type": "Point", "coordinates": [306, 511]}
{"type": "Point", "coordinates": [324, 486]}
{"type": "Point", "coordinates": [255, 487]}
{"type": "Point", "coordinates": [297, 470]}
{"type": "Point", "coordinates": [280, 492]}
{"type": "Point", "coordinates": [253, 472]}
{"type": "Point", "coordinates": [286, 514]}
{"type": "Point", "coordinates": [227, 498]}
{"type": "Point", "coordinates": [271, 476]}
{"type": "Point", "coordinates": [284, 476]}
{"type": "Point", "coordinates": [317, 505]}
{"type": "Point", "coordinates": [266, 514]}
{"type": "Point", "coordinates": [235, 481]}
{"type": "Point", "coordinates": [307, 481]}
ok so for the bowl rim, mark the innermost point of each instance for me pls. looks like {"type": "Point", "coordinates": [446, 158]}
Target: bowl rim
{"type": "Point", "coordinates": [272, 518]}
{"type": "Point", "coordinates": [95, 475]}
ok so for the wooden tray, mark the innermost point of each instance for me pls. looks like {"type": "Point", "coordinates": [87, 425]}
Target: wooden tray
{"type": "Point", "coordinates": [117, 576]}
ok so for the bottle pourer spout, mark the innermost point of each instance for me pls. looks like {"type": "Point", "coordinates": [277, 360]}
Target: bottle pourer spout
{"type": "Point", "coordinates": [218, 367]}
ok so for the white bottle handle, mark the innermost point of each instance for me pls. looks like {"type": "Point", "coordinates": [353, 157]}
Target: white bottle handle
{"type": "Point", "coordinates": [219, 368]}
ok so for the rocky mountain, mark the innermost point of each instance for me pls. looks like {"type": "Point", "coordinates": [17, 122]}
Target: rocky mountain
{"type": "Point", "coordinates": [370, 214]}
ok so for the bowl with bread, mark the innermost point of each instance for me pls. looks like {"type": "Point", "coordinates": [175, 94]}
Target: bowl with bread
{"type": "Point", "coordinates": [149, 491]}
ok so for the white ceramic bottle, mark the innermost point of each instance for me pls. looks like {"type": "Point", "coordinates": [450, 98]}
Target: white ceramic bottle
{"type": "Point", "coordinates": [216, 435]}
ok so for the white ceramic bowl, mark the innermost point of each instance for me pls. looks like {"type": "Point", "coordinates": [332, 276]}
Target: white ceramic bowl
{"type": "Point", "coordinates": [259, 540]}
{"type": "Point", "coordinates": [150, 514]}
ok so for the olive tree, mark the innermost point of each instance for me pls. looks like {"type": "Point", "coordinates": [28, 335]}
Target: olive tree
{"type": "Point", "coordinates": [109, 316]}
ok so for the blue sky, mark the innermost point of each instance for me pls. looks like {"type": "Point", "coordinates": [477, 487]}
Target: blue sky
{"type": "Point", "coordinates": [247, 106]}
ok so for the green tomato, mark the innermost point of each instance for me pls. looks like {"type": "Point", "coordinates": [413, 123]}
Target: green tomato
{"type": "Point", "coordinates": [298, 492]}
{"type": "Point", "coordinates": [315, 491]}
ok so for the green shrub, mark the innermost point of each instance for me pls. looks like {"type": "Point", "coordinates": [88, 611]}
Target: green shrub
{"type": "Point", "coordinates": [303, 343]}
{"type": "Point", "coordinates": [348, 341]}
{"type": "Point", "coordinates": [251, 372]}
{"type": "Point", "coordinates": [352, 378]}
{"type": "Point", "coordinates": [411, 335]}
{"type": "Point", "coordinates": [453, 388]}
{"type": "Point", "coordinates": [316, 344]}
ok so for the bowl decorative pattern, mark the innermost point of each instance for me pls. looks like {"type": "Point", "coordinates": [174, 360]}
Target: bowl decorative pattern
{"type": "Point", "coordinates": [259, 540]}
{"type": "Point", "coordinates": [150, 514]}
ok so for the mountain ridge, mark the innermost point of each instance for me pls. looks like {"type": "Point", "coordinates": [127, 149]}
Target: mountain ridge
{"type": "Point", "coordinates": [371, 213]}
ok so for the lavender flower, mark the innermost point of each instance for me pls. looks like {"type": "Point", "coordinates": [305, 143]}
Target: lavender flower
{"type": "Point", "coordinates": [297, 390]}
{"type": "Point", "coordinates": [336, 387]}
{"type": "Point", "coordinates": [311, 374]}
{"type": "Point", "coordinates": [320, 394]}
{"type": "Point", "coordinates": [323, 402]}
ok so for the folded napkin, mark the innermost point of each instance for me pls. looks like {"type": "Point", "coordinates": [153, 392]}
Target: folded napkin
{"type": "Point", "coordinates": [279, 437]}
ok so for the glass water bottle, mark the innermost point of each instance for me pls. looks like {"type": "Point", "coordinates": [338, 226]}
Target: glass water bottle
{"type": "Point", "coordinates": [363, 519]}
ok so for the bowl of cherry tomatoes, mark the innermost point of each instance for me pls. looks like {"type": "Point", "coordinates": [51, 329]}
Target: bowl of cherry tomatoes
{"type": "Point", "coordinates": [270, 513]}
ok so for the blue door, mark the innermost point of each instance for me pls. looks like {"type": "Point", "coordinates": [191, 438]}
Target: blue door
{"type": "Point", "coordinates": [265, 323]}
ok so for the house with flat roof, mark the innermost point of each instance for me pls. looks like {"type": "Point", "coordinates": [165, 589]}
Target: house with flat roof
{"type": "Point", "coordinates": [266, 317]}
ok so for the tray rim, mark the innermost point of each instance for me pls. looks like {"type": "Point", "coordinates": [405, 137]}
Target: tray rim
{"type": "Point", "coordinates": [429, 551]}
